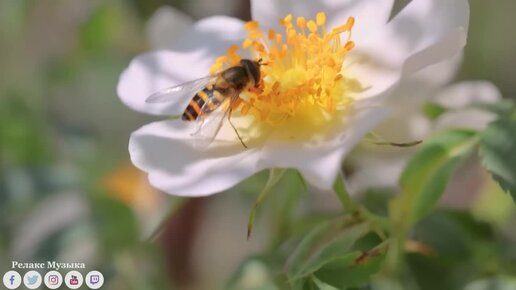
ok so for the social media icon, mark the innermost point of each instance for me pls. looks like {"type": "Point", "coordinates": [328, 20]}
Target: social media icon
{"type": "Point", "coordinates": [73, 280]}
{"type": "Point", "coordinates": [94, 279]}
{"type": "Point", "coordinates": [12, 280]}
{"type": "Point", "coordinates": [53, 280]}
{"type": "Point", "coordinates": [32, 280]}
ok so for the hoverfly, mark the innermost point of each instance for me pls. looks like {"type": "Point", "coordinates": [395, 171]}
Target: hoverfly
{"type": "Point", "coordinates": [210, 92]}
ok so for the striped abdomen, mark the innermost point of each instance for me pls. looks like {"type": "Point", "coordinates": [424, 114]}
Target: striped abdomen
{"type": "Point", "coordinates": [203, 102]}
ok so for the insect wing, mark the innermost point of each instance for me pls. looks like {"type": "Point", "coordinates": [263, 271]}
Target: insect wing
{"type": "Point", "coordinates": [211, 124]}
{"type": "Point", "coordinates": [184, 90]}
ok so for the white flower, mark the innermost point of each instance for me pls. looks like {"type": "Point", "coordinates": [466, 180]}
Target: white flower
{"type": "Point", "coordinates": [322, 109]}
{"type": "Point", "coordinates": [376, 166]}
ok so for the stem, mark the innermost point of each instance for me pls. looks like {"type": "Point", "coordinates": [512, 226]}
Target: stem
{"type": "Point", "coordinates": [378, 223]}
{"type": "Point", "coordinates": [340, 189]}
{"type": "Point", "coordinates": [275, 176]}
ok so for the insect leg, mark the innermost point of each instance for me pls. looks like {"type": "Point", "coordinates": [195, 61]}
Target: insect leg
{"type": "Point", "coordinates": [234, 128]}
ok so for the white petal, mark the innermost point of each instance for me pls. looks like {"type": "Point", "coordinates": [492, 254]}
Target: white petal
{"type": "Point", "coordinates": [377, 170]}
{"type": "Point", "coordinates": [406, 123]}
{"type": "Point", "coordinates": [466, 93]}
{"type": "Point", "coordinates": [164, 150]}
{"type": "Point", "coordinates": [212, 36]}
{"type": "Point", "coordinates": [195, 52]}
{"type": "Point", "coordinates": [468, 119]}
{"type": "Point", "coordinates": [369, 14]}
{"type": "Point", "coordinates": [425, 32]}
{"type": "Point", "coordinates": [320, 163]}
{"type": "Point", "coordinates": [154, 71]}
{"type": "Point", "coordinates": [167, 25]}
{"type": "Point", "coordinates": [417, 88]}
{"type": "Point", "coordinates": [457, 98]}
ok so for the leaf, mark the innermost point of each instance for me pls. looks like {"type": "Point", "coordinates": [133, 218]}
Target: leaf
{"type": "Point", "coordinates": [425, 177]}
{"type": "Point", "coordinates": [496, 282]}
{"type": "Point", "coordinates": [339, 248]}
{"type": "Point", "coordinates": [321, 285]}
{"type": "Point", "coordinates": [326, 243]}
{"type": "Point", "coordinates": [503, 108]}
{"type": "Point", "coordinates": [498, 153]}
{"type": "Point", "coordinates": [342, 275]}
{"type": "Point", "coordinates": [433, 110]}
{"type": "Point", "coordinates": [118, 225]}
{"type": "Point", "coordinates": [256, 273]}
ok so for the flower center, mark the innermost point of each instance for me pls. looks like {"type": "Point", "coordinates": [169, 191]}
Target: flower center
{"type": "Point", "coordinates": [302, 72]}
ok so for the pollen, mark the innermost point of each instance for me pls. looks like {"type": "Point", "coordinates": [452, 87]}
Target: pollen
{"type": "Point", "coordinates": [302, 70]}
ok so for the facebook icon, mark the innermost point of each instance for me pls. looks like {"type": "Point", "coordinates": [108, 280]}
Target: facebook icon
{"type": "Point", "coordinates": [12, 280]}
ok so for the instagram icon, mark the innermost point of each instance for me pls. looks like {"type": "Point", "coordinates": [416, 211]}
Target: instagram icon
{"type": "Point", "coordinates": [53, 280]}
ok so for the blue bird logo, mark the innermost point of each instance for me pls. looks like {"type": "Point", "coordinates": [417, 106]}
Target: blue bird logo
{"type": "Point", "coordinates": [31, 280]}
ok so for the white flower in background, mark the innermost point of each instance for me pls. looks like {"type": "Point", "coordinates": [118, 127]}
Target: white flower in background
{"type": "Point", "coordinates": [378, 166]}
{"type": "Point", "coordinates": [326, 83]}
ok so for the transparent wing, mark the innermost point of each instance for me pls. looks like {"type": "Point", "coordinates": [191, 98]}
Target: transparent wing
{"type": "Point", "coordinates": [210, 124]}
{"type": "Point", "coordinates": [183, 90]}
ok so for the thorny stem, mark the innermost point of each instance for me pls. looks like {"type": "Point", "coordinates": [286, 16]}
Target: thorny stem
{"type": "Point", "coordinates": [379, 224]}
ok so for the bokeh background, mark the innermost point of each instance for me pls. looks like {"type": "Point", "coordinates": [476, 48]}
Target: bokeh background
{"type": "Point", "coordinates": [68, 191]}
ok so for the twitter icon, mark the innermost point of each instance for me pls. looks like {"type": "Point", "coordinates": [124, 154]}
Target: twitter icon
{"type": "Point", "coordinates": [32, 280]}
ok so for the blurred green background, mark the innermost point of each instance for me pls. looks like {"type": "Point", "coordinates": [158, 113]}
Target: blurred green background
{"type": "Point", "coordinates": [69, 193]}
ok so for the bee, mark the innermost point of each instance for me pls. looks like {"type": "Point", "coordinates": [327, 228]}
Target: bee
{"type": "Point", "coordinates": [211, 92]}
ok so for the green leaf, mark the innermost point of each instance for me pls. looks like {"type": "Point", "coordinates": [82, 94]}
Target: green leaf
{"type": "Point", "coordinates": [496, 282]}
{"type": "Point", "coordinates": [321, 285]}
{"type": "Point", "coordinates": [256, 273]}
{"type": "Point", "coordinates": [503, 108]}
{"type": "Point", "coordinates": [425, 177]}
{"type": "Point", "coordinates": [327, 242]}
{"type": "Point", "coordinates": [498, 153]}
{"type": "Point", "coordinates": [433, 110]}
{"type": "Point", "coordinates": [338, 248]}
{"type": "Point", "coordinates": [118, 225]}
{"type": "Point", "coordinates": [342, 275]}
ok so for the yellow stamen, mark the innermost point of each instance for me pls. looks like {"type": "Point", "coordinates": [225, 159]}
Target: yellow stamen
{"type": "Point", "coordinates": [321, 19]}
{"type": "Point", "coordinates": [312, 26]}
{"type": "Point", "coordinates": [301, 22]}
{"type": "Point", "coordinates": [303, 85]}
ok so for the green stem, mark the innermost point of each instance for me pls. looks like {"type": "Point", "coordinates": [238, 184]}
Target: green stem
{"type": "Point", "coordinates": [275, 176]}
{"type": "Point", "coordinates": [345, 199]}
{"type": "Point", "coordinates": [378, 223]}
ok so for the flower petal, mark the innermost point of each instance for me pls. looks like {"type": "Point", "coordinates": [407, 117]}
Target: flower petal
{"type": "Point", "coordinates": [166, 26]}
{"type": "Point", "coordinates": [320, 163]}
{"type": "Point", "coordinates": [154, 71]}
{"type": "Point", "coordinates": [196, 49]}
{"type": "Point", "coordinates": [374, 170]}
{"type": "Point", "coordinates": [422, 28]}
{"type": "Point", "coordinates": [425, 32]}
{"type": "Point", "coordinates": [372, 14]}
{"type": "Point", "coordinates": [211, 35]}
{"type": "Point", "coordinates": [460, 95]}
{"type": "Point", "coordinates": [164, 150]}
{"type": "Point", "coordinates": [457, 98]}
{"type": "Point", "coordinates": [406, 123]}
